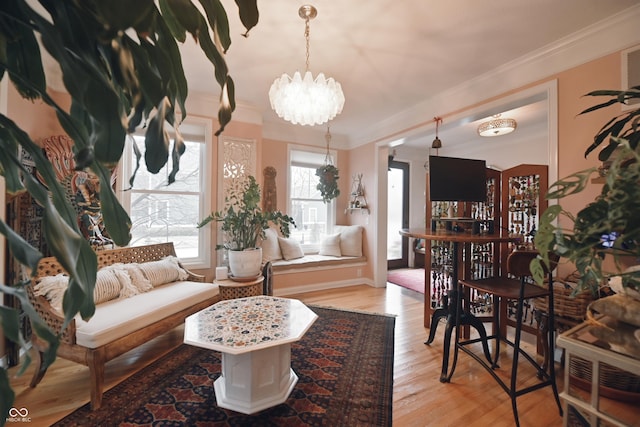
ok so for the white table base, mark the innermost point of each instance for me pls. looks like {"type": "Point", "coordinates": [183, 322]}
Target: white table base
{"type": "Point", "coordinates": [257, 380]}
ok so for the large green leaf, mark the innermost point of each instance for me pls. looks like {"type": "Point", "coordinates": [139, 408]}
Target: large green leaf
{"type": "Point", "coordinates": [248, 13]}
{"type": "Point", "coordinates": [7, 394]}
{"type": "Point", "coordinates": [219, 22]}
{"type": "Point", "coordinates": [22, 51]}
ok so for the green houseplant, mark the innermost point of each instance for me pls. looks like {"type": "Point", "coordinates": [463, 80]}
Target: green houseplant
{"type": "Point", "coordinates": [328, 185]}
{"type": "Point", "coordinates": [603, 238]}
{"type": "Point", "coordinates": [243, 222]}
{"type": "Point", "coordinates": [120, 65]}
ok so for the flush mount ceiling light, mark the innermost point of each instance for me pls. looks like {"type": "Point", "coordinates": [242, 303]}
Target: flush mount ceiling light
{"type": "Point", "coordinates": [305, 100]}
{"type": "Point", "coordinates": [497, 126]}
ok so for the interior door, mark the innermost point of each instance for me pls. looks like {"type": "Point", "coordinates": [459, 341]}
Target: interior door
{"type": "Point", "coordinates": [397, 214]}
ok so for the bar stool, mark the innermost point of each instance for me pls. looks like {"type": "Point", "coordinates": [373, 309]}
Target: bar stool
{"type": "Point", "coordinates": [518, 289]}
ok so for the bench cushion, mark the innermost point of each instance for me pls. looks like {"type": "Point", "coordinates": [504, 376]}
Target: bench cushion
{"type": "Point", "coordinates": [315, 260]}
{"type": "Point", "coordinates": [117, 318]}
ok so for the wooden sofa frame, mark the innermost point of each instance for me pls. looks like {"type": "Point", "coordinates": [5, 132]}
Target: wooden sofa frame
{"type": "Point", "coordinates": [95, 358]}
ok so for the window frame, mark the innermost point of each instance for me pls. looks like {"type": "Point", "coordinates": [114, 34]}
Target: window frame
{"type": "Point", "coordinates": [310, 248]}
{"type": "Point", "coordinates": [203, 260]}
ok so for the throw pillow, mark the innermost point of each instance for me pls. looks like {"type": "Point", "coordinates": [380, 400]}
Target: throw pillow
{"type": "Point", "coordinates": [270, 246]}
{"type": "Point", "coordinates": [351, 240]}
{"type": "Point", "coordinates": [52, 288]}
{"type": "Point", "coordinates": [127, 288]}
{"type": "Point", "coordinates": [330, 245]}
{"type": "Point", "coordinates": [290, 248]}
{"type": "Point", "coordinates": [137, 277]}
{"type": "Point", "coordinates": [166, 270]}
{"type": "Point", "coordinates": [107, 285]}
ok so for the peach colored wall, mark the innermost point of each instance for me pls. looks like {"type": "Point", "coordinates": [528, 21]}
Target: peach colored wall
{"type": "Point", "coordinates": [576, 132]}
{"type": "Point", "coordinates": [362, 160]}
{"type": "Point", "coordinates": [35, 117]}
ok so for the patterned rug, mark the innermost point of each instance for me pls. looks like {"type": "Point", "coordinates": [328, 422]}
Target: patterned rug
{"type": "Point", "coordinates": [410, 278]}
{"type": "Point", "coordinates": [344, 364]}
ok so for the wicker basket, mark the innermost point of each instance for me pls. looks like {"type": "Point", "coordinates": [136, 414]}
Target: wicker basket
{"type": "Point", "coordinates": [614, 383]}
{"type": "Point", "coordinates": [565, 303]}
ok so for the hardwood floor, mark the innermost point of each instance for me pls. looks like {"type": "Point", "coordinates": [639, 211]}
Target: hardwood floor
{"type": "Point", "coordinates": [420, 399]}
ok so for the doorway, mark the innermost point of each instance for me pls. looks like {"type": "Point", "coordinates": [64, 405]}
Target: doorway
{"type": "Point", "coordinates": [397, 214]}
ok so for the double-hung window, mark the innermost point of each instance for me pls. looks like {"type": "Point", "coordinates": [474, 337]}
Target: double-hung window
{"type": "Point", "coordinates": [314, 218]}
{"type": "Point", "coordinates": [169, 213]}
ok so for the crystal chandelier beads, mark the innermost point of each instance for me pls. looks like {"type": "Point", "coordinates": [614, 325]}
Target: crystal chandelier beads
{"type": "Point", "coordinates": [305, 100]}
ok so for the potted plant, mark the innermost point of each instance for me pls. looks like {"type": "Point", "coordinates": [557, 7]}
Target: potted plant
{"type": "Point", "coordinates": [243, 223]}
{"type": "Point", "coordinates": [602, 239]}
{"type": "Point", "coordinates": [328, 185]}
{"type": "Point", "coordinates": [120, 64]}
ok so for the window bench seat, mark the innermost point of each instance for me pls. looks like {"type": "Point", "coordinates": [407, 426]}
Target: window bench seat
{"type": "Point", "coordinates": [315, 262]}
{"type": "Point", "coordinates": [339, 262]}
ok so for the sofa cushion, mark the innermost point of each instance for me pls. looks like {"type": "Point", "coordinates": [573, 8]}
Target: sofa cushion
{"type": "Point", "coordinates": [117, 318]}
{"type": "Point", "coordinates": [166, 270]}
{"type": "Point", "coordinates": [350, 239]}
{"type": "Point", "coordinates": [270, 246]}
{"type": "Point", "coordinates": [290, 248]}
{"type": "Point", "coordinates": [330, 245]}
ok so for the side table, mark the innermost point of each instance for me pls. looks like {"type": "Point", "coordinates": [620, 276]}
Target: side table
{"type": "Point", "coordinates": [601, 350]}
{"type": "Point", "coordinates": [232, 289]}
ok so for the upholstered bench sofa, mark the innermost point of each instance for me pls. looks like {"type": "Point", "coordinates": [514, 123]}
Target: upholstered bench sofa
{"type": "Point", "coordinates": [141, 292]}
{"type": "Point", "coordinates": [343, 249]}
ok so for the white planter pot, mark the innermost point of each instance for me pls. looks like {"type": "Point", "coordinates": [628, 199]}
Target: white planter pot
{"type": "Point", "coordinates": [245, 263]}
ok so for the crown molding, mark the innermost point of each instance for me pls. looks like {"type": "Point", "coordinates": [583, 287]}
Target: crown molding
{"type": "Point", "coordinates": [610, 35]}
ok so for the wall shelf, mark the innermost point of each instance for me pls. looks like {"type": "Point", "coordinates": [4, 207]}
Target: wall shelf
{"type": "Point", "coordinates": [357, 200]}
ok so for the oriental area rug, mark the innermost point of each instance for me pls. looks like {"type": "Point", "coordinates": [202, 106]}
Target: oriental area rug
{"type": "Point", "coordinates": [410, 278]}
{"type": "Point", "coordinates": [344, 364]}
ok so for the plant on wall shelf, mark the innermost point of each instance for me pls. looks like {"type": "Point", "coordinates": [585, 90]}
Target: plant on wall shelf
{"type": "Point", "coordinates": [608, 227]}
{"type": "Point", "coordinates": [328, 185]}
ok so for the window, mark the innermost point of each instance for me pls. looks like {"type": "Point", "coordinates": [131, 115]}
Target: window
{"type": "Point", "coordinates": [169, 213]}
{"type": "Point", "coordinates": [314, 218]}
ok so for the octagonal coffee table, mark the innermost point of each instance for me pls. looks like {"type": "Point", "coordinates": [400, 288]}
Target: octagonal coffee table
{"type": "Point", "coordinates": [254, 336]}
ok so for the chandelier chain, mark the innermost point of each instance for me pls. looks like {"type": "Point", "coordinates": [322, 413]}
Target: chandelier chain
{"type": "Point", "coordinates": [307, 38]}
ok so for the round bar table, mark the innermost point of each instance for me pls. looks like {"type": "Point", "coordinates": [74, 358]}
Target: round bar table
{"type": "Point", "coordinates": [449, 311]}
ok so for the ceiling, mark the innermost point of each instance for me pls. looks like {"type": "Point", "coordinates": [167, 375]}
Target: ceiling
{"type": "Point", "coordinates": [388, 55]}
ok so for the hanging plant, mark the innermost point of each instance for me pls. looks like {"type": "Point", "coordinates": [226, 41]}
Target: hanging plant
{"type": "Point", "coordinates": [328, 185]}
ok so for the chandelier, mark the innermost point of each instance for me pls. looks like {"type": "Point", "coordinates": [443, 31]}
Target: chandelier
{"type": "Point", "coordinates": [497, 126]}
{"type": "Point", "coordinates": [305, 100]}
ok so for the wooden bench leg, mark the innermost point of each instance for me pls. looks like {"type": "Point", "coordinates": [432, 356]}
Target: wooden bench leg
{"type": "Point", "coordinates": [96, 361]}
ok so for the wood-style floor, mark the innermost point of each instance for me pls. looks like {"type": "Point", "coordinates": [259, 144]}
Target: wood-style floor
{"type": "Point", "coordinates": [419, 398]}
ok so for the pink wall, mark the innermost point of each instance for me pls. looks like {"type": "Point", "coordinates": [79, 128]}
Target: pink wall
{"type": "Point", "coordinates": [575, 133]}
{"type": "Point", "coordinates": [35, 117]}
{"type": "Point", "coordinates": [362, 161]}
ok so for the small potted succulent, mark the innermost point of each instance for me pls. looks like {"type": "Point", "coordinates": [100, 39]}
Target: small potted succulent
{"type": "Point", "coordinates": [243, 223]}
